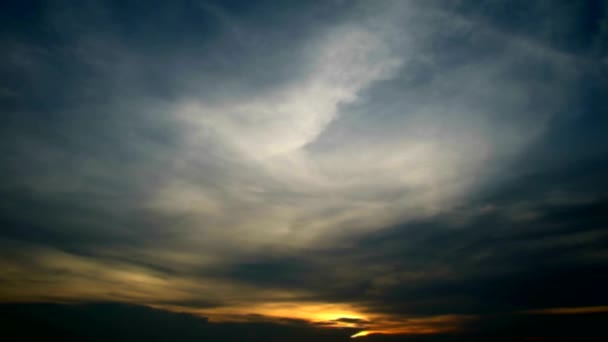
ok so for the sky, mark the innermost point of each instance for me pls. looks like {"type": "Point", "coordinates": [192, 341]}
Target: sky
{"type": "Point", "coordinates": [412, 168]}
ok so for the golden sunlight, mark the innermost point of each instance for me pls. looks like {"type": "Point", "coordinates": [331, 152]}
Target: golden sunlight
{"type": "Point", "coordinates": [361, 334]}
{"type": "Point", "coordinates": [312, 312]}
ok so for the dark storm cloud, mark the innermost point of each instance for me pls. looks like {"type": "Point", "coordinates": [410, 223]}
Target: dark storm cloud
{"type": "Point", "coordinates": [490, 269]}
{"type": "Point", "coordinates": [571, 27]}
{"type": "Point", "coordinates": [103, 321]}
{"type": "Point", "coordinates": [490, 265]}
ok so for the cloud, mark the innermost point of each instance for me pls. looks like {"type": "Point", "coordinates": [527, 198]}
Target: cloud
{"type": "Point", "coordinates": [383, 164]}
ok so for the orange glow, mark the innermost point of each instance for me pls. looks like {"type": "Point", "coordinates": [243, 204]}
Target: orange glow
{"type": "Point", "coordinates": [316, 313]}
{"type": "Point", "coordinates": [569, 311]}
{"type": "Point", "coordinates": [312, 312]}
{"type": "Point", "coordinates": [414, 326]}
{"type": "Point", "coordinates": [361, 334]}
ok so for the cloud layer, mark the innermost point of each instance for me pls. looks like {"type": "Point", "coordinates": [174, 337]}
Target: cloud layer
{"type": "Point", "coordinates": [359, 164]}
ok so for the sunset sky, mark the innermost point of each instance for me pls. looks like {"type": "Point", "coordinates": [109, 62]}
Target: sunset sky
{"type": "Point", "coordinates": [393, 167]}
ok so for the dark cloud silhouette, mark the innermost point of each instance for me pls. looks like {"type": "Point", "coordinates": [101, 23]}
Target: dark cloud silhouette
{"type": "Point", "coordinates": [119, 322]}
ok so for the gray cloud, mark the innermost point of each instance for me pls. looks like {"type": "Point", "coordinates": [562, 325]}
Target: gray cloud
{"type": "Point", "coordinates": [391, 158]}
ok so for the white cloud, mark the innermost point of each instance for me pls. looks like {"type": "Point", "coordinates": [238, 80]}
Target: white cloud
{"type": "Point", "coordinates": [287, 119]}
{"type": "Point", "coordinates": [282, 186]}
